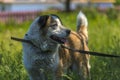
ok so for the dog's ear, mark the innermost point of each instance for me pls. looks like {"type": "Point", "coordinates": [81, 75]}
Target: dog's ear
{"type": "Point", "coordinates": [57, 17]}
{"type": "Point", "coordinates": [43, 20]}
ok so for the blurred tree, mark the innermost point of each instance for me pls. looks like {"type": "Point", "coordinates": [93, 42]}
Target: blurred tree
{"type": "Point", "coordinates": [67, 4]}
{"type": "Point", "coordinates": [2, 6]}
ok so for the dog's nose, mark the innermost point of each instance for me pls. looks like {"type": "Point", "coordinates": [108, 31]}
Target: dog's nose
{"type": "Point", "coordinates": [68, 31]}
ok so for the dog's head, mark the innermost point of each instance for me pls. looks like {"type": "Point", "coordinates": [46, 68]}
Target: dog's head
{"type": "Point", "coordinates": [51, 27]}
{"type": "Point", "coordinates": [47, 32]}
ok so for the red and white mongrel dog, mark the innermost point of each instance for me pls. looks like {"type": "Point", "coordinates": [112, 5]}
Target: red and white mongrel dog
{"type": "Point", "coordinates": [46, 59]}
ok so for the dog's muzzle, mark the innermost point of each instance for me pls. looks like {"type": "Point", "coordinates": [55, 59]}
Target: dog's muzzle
{"type": "Point", "coordinates": [61, 40]}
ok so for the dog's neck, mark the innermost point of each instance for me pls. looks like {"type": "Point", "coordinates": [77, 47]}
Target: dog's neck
{"type": "Point", "coordinates": [45, 45]}
{"type": "Point", "coordinates": [48, 45]}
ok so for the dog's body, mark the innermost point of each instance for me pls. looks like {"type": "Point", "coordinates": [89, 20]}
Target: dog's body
{"type": "Point", "coordinates": [46, 59]}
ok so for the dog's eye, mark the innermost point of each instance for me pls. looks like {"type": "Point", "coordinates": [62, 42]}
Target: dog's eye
{"type": "Point", "coordinates": [53, 26]}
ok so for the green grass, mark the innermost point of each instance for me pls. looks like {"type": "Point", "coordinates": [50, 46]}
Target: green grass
{"type": "Point", "coordinates": [104, 36]}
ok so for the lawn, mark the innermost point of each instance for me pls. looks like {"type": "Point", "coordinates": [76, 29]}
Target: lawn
{"type": "Point", "coordinates": [104, 36]}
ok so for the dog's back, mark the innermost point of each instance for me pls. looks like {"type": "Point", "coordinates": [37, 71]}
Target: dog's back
{"type": "Point", "coordinates": [76, 61]}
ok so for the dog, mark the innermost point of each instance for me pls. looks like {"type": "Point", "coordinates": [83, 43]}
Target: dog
{"type": "Point", "coordinates": [45, 58]}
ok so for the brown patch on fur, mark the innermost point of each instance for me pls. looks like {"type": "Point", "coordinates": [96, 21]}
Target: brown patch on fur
{"type": "Point", "coordinates": [45, 28]}
{"type": "Point", "coordinates": [83, 31]}
{"type": "Point", "coordinates": [70, 58]}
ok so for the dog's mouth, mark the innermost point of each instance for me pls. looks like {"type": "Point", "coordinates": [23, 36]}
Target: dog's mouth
{"type": "Point", "coordinates": [58, 39]}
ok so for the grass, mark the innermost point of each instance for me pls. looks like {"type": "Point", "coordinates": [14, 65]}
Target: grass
{"type": "Point", "coordinates": [104, 36]}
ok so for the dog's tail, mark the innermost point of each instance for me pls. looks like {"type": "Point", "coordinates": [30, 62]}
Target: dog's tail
{"type": "Point", "coordinates": [82, 24]}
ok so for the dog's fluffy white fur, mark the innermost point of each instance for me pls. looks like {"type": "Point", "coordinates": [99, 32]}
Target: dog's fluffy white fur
{"type": "Point", "coordinates": [44, 55]}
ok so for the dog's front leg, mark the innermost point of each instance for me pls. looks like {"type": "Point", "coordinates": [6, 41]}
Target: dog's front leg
{"type": "Point", "coordinates": [59, 71]}
{"type": "Point", "coordinates": [36, 74]}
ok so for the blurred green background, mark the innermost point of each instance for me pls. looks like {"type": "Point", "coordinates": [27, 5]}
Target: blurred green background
{"type": "Point", "coordinates": [104, 36]}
